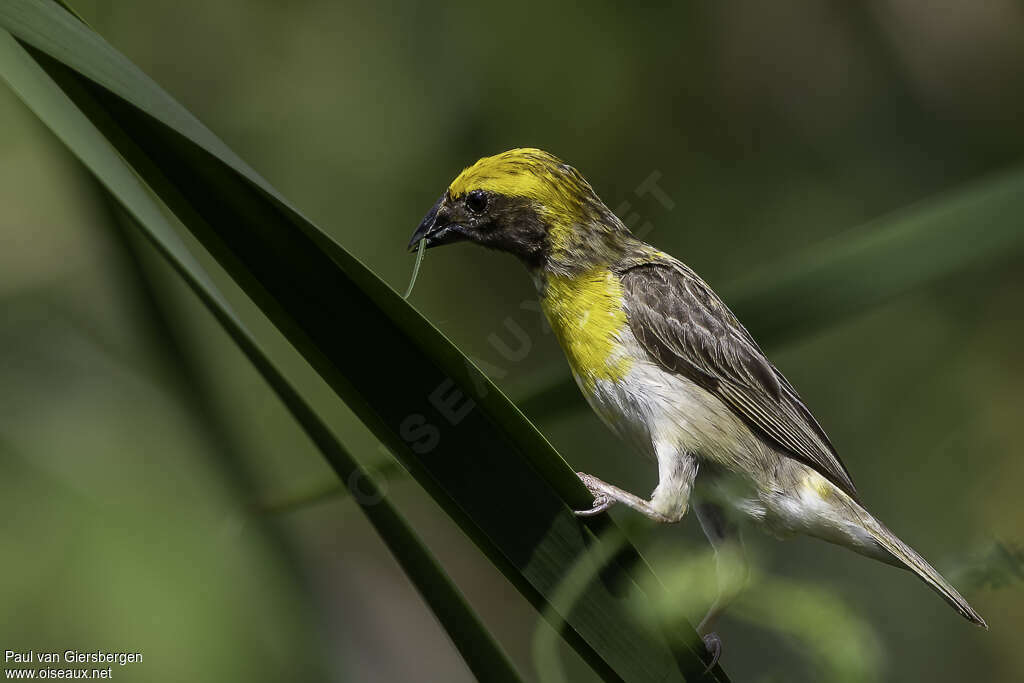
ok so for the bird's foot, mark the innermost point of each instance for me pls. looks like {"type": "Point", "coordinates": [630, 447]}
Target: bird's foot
{"type": "Point", "coordinates": [606, 495]}
{"type": "Point", "coordinates": [714, 647]}
{"type": "Point", "coordinates": [602, 501]}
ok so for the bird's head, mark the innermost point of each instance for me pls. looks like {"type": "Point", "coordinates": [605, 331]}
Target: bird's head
{"type": "Point", "coordinates": [528, 203]}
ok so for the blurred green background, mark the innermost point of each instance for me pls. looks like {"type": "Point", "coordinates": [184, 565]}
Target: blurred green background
{"type": "Point", "coordinates": [136, 453]}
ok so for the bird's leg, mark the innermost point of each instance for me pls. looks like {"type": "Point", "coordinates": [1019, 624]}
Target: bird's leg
{"type": "Point", "coordinates": [606, 495]}
{"type": "Point", "coordinates": [731, 562]}
{"type": "Point", "coordinates": [669, 502]}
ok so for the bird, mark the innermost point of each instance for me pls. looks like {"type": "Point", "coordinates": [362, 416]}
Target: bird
{"type": "Point", "coordinates": [670, 370]}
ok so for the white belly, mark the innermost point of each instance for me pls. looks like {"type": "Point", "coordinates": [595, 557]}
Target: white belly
{"type": "Point", "coordinates": [673, 420]}
{"type": "Point", "coordinates": [656, 411]}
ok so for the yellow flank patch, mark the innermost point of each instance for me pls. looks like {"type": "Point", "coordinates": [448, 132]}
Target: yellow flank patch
{"type": "Point", "coordinates": [586, 313]}
{"type": "Point", "coordinates": [818, 484]}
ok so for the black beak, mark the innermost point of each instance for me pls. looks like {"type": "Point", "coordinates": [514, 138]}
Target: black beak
{"type": "Point", "coordinates": [436, 232]}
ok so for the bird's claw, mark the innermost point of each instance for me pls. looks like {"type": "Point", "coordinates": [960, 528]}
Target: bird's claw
{"type": "Point", "coordinates": [714, 647]}
{"type": "Point", "coordinates": [601, 501]}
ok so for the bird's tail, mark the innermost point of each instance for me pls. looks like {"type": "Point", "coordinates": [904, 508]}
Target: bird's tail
{"type": "Point", "coordinates": [908, 557]}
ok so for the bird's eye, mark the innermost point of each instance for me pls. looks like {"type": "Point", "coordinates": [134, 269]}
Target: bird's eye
{"type": "Point", "coordinates": [476, 201]}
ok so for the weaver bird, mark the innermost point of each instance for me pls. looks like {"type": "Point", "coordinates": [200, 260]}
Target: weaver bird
{"type": "Point", "coordinates": [668, 368]}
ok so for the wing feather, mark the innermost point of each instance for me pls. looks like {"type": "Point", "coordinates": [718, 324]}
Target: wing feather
{"type": "Point", "coordinates": [687, 329]}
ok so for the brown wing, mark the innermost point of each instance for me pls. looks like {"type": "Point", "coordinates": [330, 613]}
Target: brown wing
{"type": "Point", "coordinates": [687, 329]}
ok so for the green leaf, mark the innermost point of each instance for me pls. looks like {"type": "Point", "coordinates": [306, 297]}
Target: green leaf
{"type": "Point", "coordinates": [860, 269]}
{"type": "Point", "coordinates": [483, 655]}
{"type": "Point", "coordinates": [460, 437]}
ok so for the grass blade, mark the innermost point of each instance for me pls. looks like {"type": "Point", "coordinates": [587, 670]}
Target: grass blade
{"type": "Point", "coordinates": [421, 249]}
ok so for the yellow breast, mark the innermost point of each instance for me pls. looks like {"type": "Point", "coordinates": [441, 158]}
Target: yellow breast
{"type": "Point", "coordinates": [586, 313]}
